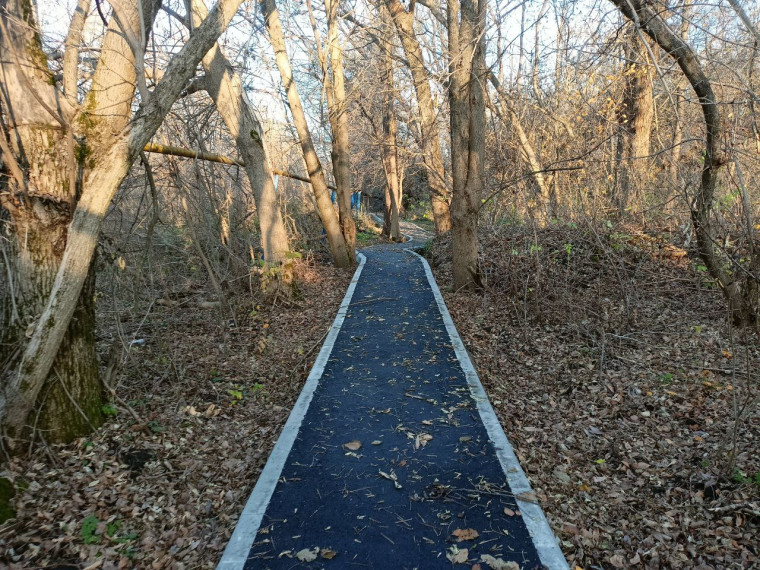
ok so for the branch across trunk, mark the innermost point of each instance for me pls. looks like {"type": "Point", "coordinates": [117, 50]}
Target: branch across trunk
{"type": "Point", "coordinates": [109, 166]}
{"type": "Point", "coordinates": [342, 253]}
{"type": "Point", "coordinates": [225, 87]}
{"type": "Point", "coordinates": [157, 148]}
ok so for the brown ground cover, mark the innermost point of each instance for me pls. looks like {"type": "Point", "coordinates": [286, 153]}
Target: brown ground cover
{"type": "Point", "coordinates": [200, 404]}
{"type": "Point", "coordinates": [632, 404]}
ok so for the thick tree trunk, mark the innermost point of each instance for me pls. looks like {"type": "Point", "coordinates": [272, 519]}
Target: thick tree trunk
{"type": "Point", "coordinates": [635, 116]}
{"type": "Point", "coordinates": [40, 202]}
{"type": "Point", "coordinates": [739, 289]}
{"type": "Point", "coordinates": [106, 165]}
{"type": "Point", "coordinates": [225, 87]}
{"type": "Point", "coordinates": [467, 73]}
{"type": "Point", "coordinates": [70, 402]}
{"type": "Point", "coordinates": [393, 182]}
{"type": "Point", "coordinates": [431, 148]}
{"type": "Point", "coordinates": [342, 253]}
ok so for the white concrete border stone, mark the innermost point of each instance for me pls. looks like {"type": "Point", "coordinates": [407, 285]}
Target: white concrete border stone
{"type": "Point", "coordinates": [543, 538]}
{"type": "Point", "coordinates": [236, 553]}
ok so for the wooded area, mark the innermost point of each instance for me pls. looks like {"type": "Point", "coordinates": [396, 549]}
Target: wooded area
{"type": "Point", "coordinates": [170, 164]}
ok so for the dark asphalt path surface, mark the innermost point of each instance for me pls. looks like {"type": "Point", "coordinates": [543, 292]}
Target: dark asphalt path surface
{"type": "Point", "coordinates": [425, 469]}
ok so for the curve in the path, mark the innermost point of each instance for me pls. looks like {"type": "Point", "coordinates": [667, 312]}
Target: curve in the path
{"type": "Point", "coordinates": [392, 457]}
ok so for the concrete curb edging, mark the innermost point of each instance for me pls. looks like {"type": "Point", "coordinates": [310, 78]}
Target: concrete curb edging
{"type": "Point", "coordinates": [543, 538]}
{"type": "Point", "coordinates": [236, 553]}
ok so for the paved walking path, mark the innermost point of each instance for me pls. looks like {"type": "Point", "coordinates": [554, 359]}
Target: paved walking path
{"type": "Point", "coordinates": [392, 457]}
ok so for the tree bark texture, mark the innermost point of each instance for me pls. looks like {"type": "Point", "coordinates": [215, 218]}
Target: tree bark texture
{"type": "Point", "coordinates": [635, 117]}
{"type": "Point", "coordinates": [342, 253]}
{"type": "Point", "coordinates": [467, 74]}
{"type": "Point", "coordinates": [341, 149]}
{"type": "Point", "coordinates": [225, 87]}
{"type": "Point", "coordinates": [740, 290]}
{"type": "Point", "coordinates": [109, 138]}
{"type": "Point", "coordinates": [393, 174]}
{"type": "Point", "coordinates": [431, 148]}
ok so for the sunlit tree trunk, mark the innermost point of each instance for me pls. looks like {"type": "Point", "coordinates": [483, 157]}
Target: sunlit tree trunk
{"type": "Point", "coordinates": [635, 117]}
{"type": "Point", "coordinates": [431, 148]}
{"type": "Point", "coordinates": [58, 167]}
{"type": "Point", "coordinates": [342, 252]}
{"type": "Point", "coordinates": [467, 73]}
{"type": "Point", "coordinates": [393, 174]}
{"type": "Point", "coordinates": [225, 87]}
{"type": "Point", "coordinates": [341, 148]}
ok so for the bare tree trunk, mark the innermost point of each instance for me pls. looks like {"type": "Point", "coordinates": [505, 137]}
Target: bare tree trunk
{"type": "Point", "coordinates": [225, 87]}
{"type": "Point", "coordinates": [44, 176]}
{"type": "Point", "coordinates": [431, 148]}
{"type": "Point", "coordinates": [393, 187]}
{"type": "Point", "coordinates": [635, 116]}
{"type": "Point", "coordinates": [467, 73]}
{"type": "Point", "coordinates": [740, 289]}
{"type": "Point", "coordinates": [342, 252]}
{"type": "Point", "coordinates": [341, 149]}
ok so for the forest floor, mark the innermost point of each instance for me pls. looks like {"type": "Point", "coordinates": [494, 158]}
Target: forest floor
{"type": "Point", "coordinates": [606, 354]}
{"type": "Point", "coordinates": [631, 403]}
{"type": "Point", "coordinates": [201, 400]}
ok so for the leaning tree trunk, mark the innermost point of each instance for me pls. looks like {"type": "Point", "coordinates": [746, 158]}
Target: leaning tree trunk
{"type": "Point", "coordinates": [739, 288]}
{"type": "Point", "coordinates": [41, 201]}
{"type": "Point", "coordinates": [342, 253]}
{"type": "Point", "coordinates": [467, 73]}
{"type": "Point", "coordinates": [431, 148]}
{"type": "Point", "coordinates": [225, 87]}
{"type": "Point", "coordinates": [43, 181]}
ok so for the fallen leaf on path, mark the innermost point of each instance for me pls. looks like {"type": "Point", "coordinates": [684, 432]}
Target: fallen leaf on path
{"type": "Point", "coordinates": [528, 497]}
{"type": "Point", "coordinates": [457, 555]}
{"type": "Point", "coordinates": [308, 555]}
{"type": "Point", "coordinates": [509, 512]}
{"type": "Point", "coordinates": [355, 445]}
{"type": "Point", "coordinates": [328, 554]}
{"type": "Point", "coordinates": [498, 563]}
{"type": "Point", "coordinates": [465, 534]}
{"type": "Point", "coordinates": [422, 440]}
{"type": "Point", "coordinates": [391, 477]}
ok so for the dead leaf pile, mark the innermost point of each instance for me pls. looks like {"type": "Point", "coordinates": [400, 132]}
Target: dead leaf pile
{"type": "Point", "coordinates": [166, 491]}
{"type": "Point", "coordinates": [616, 376]}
